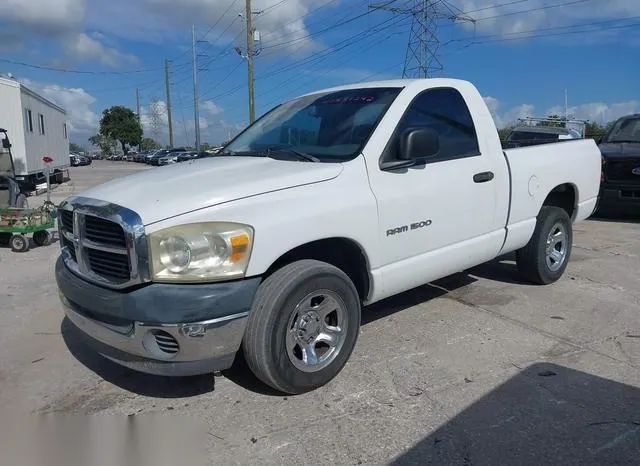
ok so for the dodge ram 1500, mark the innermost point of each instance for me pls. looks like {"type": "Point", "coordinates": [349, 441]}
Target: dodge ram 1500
{"type": "Point", "coordinates": [329, 202]}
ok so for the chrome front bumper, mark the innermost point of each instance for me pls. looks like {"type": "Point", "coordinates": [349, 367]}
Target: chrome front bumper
{"type": "Point", "coordinates": [165, 349]}
{"type": "Point", "coordinates": [160, 329]}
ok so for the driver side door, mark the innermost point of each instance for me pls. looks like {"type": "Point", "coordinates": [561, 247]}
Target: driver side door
{"type": "Point", "coordinates": [437, 216]}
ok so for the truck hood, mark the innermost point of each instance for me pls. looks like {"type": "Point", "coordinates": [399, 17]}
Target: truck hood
{"type": "Point", "coordinates": [620, 150]}
{"type": "Point", "coordinates": [164, 192]}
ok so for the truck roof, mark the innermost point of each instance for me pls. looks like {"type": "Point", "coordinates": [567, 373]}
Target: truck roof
{"type": "Point", "coordinates": [391, 83]}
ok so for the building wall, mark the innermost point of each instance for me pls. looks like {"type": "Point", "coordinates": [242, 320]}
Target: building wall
{"type": "Point", "coordinates": [50, 120]}
{"type": "Point", "coordinates": [11, 119]}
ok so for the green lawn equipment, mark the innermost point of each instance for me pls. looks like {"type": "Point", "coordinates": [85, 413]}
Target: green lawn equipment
{"type": "Point", "coordinates": [16, 219]}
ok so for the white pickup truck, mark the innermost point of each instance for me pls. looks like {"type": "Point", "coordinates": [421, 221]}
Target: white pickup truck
{"type": "Point", "coordinates": [329, 202]}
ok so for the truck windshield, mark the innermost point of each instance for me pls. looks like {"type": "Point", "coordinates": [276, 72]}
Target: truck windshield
{"type": "Point", "coordinates": [624, 130]}
{"type": "Point", "coordinates": [329, 126]}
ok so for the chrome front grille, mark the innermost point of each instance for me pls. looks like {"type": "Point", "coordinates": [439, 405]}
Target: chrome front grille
{"type": "Point", "coordinates": [103, 242]}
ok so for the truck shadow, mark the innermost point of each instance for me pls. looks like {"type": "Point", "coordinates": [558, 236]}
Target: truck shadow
{"type": "Point", "coordinates": [546, 414]}
{"type": "Point", "coordinates": [127, 379]}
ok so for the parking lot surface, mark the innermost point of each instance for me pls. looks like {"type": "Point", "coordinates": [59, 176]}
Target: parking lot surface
{"type": "Point", "coordinates": [478, 368]}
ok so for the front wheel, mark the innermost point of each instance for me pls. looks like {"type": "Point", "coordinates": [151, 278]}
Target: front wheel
{"type": "Point", "coordinates": [19, 243]}
{"type": "Point", "coordinates": [544, 259]}
{"type": "Point", "coordinates": [303, 326]}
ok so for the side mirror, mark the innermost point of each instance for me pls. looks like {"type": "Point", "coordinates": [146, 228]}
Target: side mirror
{"type": "Point", "coordinates": [418, 143]}
{"type": "Point", "coordinates": [6, 144]}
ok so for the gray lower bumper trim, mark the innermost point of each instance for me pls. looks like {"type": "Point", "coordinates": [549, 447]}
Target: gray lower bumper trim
{"type": "Point", "coordinates": [159, 302]}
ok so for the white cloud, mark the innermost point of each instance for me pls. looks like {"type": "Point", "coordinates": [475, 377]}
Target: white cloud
{"type": "Point", "coordinates": [83, 121]}
{"type": "Point", "coordinates": [510, 116]}
{"type": "Point", "coordinates": [170, 20]}
{"type": "Point", "coordinates": [21, 20]}
{"type": "Point", "coordinates": [501, 17]}
{"type": "Point", "coordinates": [599, 112]}
{"type": "Point", "coordinates": [210, 107]}
{"type": "Point", "coordinates": [83, 47]}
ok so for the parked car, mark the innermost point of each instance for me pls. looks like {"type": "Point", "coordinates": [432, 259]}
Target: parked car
{"type": "Point", "coordinates": [155, 159]}
{"type": "Point", "coordinates": [170, 158]}
{"type": "Point", "coordinates": [192, 155]}
{"type": "Point", "coordinates": [75, 160]}
{"type": "Point", "coordinates": [331, 201]}
{"type": "Point", "coordinates": [620, 183]}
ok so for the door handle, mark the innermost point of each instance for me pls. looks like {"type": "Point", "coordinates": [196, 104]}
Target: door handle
{"type": "Point", "coordinates": [483, 177]}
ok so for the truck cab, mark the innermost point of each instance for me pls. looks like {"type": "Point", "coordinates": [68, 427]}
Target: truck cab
{"type": "Point", "coordinates": [620, 148]}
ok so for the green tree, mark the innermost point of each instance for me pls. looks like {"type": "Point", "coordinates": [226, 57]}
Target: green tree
{"type": "Point", "coordinates": [503, 133]}
{"type": "Point", "coordinates": [148, 144]}
{"type": "Point", "coordinates": [121, 123]}
{"type": "Point", "coordinates": [593, 130]}
{"type": "Point", "coordinates": [76, 148]}
{"type": "Point", "coordinates": [106, 144]}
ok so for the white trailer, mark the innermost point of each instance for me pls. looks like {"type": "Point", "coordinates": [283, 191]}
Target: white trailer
{"type": "Point", "coordinates": [37, 127]}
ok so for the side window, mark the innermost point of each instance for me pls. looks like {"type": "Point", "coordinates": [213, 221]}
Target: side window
{"type": "Point", "coordinates": [28, 120]}
{"type": "Point", "coordinates": [445, 111]}
{"type": "Point", "coordinates": [41, 123]}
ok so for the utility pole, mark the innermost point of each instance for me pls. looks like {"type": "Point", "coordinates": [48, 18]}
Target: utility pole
{"type": "Point", "coordinates": [249, 14]}
{"type": "Point", "coordinates": [168, 84]}
{"type": "Point", "coordinates": [196, 98]}
{"type": "Point", "coordinates": [421, 58]}
{"type": "Point", "coordinates": [251, 51]}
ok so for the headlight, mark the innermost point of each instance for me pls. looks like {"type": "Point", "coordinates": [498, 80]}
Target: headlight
{"type": "Point", "coordinates": [200, 252]}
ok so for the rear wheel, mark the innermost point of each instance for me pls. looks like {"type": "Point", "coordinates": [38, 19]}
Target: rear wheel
{"type": "Point", "coordinates": [303, 326]}
{"type": "Point", "coordinates": [42, 238]}
{"type": "Point", "coordinates": [544, 259]}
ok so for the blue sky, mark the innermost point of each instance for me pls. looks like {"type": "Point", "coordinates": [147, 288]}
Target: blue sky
{"type": "Point", "coordinates": [521, 54]}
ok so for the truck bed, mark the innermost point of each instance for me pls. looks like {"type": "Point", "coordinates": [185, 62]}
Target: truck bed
{"type": "Point", "coordinates": [531, 180]}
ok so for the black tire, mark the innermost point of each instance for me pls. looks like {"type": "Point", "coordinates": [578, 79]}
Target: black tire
{"type": "Point", "coordinates": [532, 259]}
{"type": "Point", "coordinates": [264, 343]}
{"type": "Point", "coordinates": [19, 243]}
{"type": "Point", "coordinates": [21, 201]}
{"type": "Point", "coordinates": [42, 238]}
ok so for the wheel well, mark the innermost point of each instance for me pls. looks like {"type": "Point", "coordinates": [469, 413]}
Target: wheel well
{"type": "Point", "coordinates": [343, 253]}
{"type": "Point", "coordinates": [563, 196]}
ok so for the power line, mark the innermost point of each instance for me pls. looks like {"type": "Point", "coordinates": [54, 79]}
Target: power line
{"type": "Point", "coordinates": [327, 29]}
{"type": "Point", "coordinates": [553, 28]}
{"type": "Point", "coordinates": [73, 71]}
{"type": "Point", "coordinates": [345, 43]}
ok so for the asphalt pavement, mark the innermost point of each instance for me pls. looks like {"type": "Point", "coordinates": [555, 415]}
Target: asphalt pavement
{"type": "Point", "coordinates": [479, 368]}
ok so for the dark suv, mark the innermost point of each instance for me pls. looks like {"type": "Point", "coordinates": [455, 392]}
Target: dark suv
{"type": "Point", "coordinates": [620, 182]}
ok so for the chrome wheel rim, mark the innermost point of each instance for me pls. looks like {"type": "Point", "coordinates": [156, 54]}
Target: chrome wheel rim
{"type": "Point", "coordinates": [556, 249]}
{"type": "Point", "coordinates": [316, 330]}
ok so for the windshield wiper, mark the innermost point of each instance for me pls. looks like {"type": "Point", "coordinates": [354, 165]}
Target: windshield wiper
{"type": "Point", "coordinates": [624, 141]}
{"type": "Point", "coordinates": [291, 150]}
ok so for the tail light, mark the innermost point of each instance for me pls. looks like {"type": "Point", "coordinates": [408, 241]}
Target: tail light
{"type": "Point", "coordinates": [603, 164]}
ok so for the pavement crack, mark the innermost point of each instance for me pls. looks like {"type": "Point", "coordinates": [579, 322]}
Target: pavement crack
{"type": "Point", "coordinates": [560, 339]}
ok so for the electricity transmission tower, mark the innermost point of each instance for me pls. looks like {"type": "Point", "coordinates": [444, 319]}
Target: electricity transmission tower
{"type": "Point", "coordinates": [156, 112]}
{"type": "Point", "coordinates": [421, 59]}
